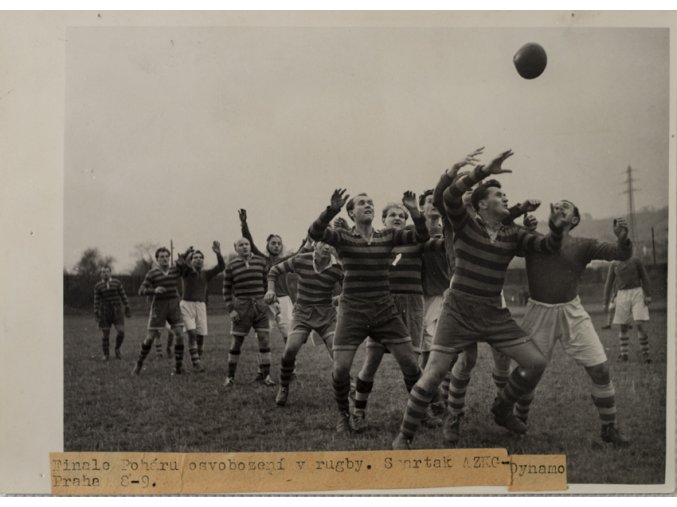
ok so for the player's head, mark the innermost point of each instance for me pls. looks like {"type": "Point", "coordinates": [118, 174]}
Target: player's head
{"type": "Point", "coordinates": [242, 247]}
{"type": "Point", "coordinates": [360, 208]}
{"type": "Point", "coordinates": [322, 249]}
{"type": "Point", "coordinates": [274, 244]}
{"type": "Point", "coordinates": [198, 260]}
{"type": "Point", "coordinates": [569, 212]}
{"type": "Point", "coordinates": [104, 272]}
{"type": "Point", "coordinates": [490, 200]}
{"type": "Point", "coordinates": [394, 216]}
{"type": "Point", "coordinates": [162, 256]}
{"type": "Point", "coordinates": [425, 202]}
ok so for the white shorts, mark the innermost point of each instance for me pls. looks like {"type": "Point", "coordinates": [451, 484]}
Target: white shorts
{"type": "Point", "coordinates": [570, 324]}
{"type": "Point", "coordinates": [432, 308]}
{"type": "Point", "coordinates": [630, 306]}
{"type": "Point", "coordinates": [194, 315]}
{"type": "Point", "coordinates": [281, 313]}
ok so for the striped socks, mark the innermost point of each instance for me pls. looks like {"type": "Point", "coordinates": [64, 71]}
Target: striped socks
{"type": "Point", "coordinates": [341, 391]}
{"type": "Point", "coordinates": [415, 412]}
{"type": "Point", "coordinates": [362, 390]}
{"type": "Point", "coordinates": [604, 398]}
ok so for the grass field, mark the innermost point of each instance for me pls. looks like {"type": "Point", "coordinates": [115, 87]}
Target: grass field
{"type": "Point", "coordinates": [106, 409]}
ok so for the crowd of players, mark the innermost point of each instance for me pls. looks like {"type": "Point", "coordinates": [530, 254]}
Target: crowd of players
{"type": "Point", "coordinates": [426, 293]}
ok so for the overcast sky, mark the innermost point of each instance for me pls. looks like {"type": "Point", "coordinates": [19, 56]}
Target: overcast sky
{"type": "Point", "coordinates": [170, 130]}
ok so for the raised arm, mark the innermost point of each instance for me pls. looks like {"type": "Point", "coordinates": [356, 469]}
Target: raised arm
{"type": "Point", "coordinates": [244, 227]}
{"type": "Point", "coordinates": [529, 241]}
{"type": "Point", "coordinates": [319, 230]}
{"type": "Point", "coordinates": [619, 251]}
{"type": "Point", "coordinates": [609, 285]}
{"type": "Point", "coordinates": [420, 233]}
{"type": "Point", "coordinates": [453, 195]}
{"type": "Point", "coordinates": [221, 264]}
{"type": "Point", "coordinates": [449, 176]}
{"type": "Point", "coordinates": [520, 209]}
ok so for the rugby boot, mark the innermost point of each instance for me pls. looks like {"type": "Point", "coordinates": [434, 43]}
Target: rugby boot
{"type": "Point", "coordinates": [503, 416]}
{"type": "Point", "coordinates": [451, 429]}
{"type": "Point", "coordinates": [282, 395]}
{"type": "Point", "coordinates": [358, 422]}
{"type": "Point", "coordinates": [343, 423]}
{"type": "Point", "coordinates": [611, 435]}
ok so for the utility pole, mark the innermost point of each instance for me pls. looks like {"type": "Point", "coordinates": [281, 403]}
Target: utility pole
{"type": "Point", "coordinates": [631, 204]}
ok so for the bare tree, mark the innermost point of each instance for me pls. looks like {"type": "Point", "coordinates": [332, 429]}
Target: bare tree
{"type": "Point", "coordinates": [144, 254]}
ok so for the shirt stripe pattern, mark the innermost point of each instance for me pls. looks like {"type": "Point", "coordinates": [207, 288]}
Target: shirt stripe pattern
{"type": "Point", "coordinates": [169, 280]}
{"type": "Point", "coordinates": [313, 288]}
{"type": "Point", "coordinates": [244, 278]}
{"type": "Point", "coordinates": [481, 262]}
{"type": "Point", "coordinates": [366, 261]}
{"type": "Point", "coordinates": [110, 293]}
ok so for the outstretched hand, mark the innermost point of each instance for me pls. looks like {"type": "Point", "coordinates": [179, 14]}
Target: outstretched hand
{"type": "Point", "coordinates": [409, 201]}
{"type": "Point", "coordinates": [216, 247]}
{"type": "Point", "coordinates": [621, 228]}
{"type": "Point", "coordinates": [530, 222]}
{"type": "Point", "coordinates": [338, 199]}
{"type": "Point", "coordinates": [530, 205]}
{"type": "Point", "coordinates": [242, 213]}
{"type": "Point", "coordinates": [495, 166]}
{"type": "Point", "coordinates": [470, 159]}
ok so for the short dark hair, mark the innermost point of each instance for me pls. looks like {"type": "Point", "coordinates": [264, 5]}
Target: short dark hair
{"type": "Point", "coordinates": [271, 236]}
{"type": "Point", "coordinates": [391, 205]}
{"type": "Point", "coordinates": [198, 252]}
{"type": "Point", "coordinates": [424, 194]}
{"type": "Point", "coordinates": [482, 191]}
{"type": "Point", "coordinates": [162, 249]}
{"type": "Point", "coordinates": [350, 205]}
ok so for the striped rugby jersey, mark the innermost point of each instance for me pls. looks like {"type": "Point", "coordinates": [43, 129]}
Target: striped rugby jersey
{"type": "Point", "coordinates": [405, 270]}
{"type": "Point", "coordinates": [481, 262]}
{"type": "Point", "coordinates": [244, 278]}
{"type": "Point", "coordinates": [282, 284]}
{"type": "Point", "coordinates": [169, 280]}
{"type": "Point", "coordinates": [110, 293]}
{"type": "Point", "coordinates": [366, 261]}
{"type": "Point", "coordinates": [314, 288]}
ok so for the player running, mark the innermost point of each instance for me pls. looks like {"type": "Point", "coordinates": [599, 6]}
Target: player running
{"type": "Point", "coordinates": [472, 312]}
{"type": "Point", "coordinates": [193, 304]}
{"type": "Point", "coordinates": [318, 274]}
{"type": "Point", "coordinates": [109, 298]}
{"type": "Point", "coordinates": [162, 283]}
{"type": "Point", "coordinates": [244, 286]}
{"type": "Point", "coordinates": [633, 298]}
{"type": "Point", "coordinates": [366, 305]}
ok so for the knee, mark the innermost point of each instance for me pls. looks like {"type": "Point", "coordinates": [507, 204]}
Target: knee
{"type": "Point", "coordinates": [535, 368]}
{"type": "Point", "coordinates": [431, 378]}
{"type": "Point", "coordinates": [599, 374]}
{"type": "Point", "coordinates": [468, 360]}
{"type": "Point", "coordinates": [341, 371]}
{"type": "Point", "coordinates": [624, 328]}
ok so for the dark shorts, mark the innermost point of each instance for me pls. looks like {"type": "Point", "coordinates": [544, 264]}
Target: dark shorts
{"type": "Point", "coordinates": [410, 309]}
{"type": "Point", "coordinates": [253, 313]}
{"type": "Point", "coordinates": [165, 311]}
{"type": "Point", "coordinates": [467, 319]}
{"type": "Point", "coordinates": [378, 319]}
{"type": "Point", "coordinates": [111, 315]}
{"type": "Point", "coordinates": [318, 318]}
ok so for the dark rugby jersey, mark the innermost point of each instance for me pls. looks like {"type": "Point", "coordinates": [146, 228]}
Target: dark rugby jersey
{"type": "Point", "coordinates": [313, 287]}
{"type": "Point", "coordinates": [366, 261]}
{"type": "Point", "coordinates": [169, 280]}
{"type": "Point", "coordinates": [110, 293]}
{"type": "Point", "coordinates": [481, 262]}
{"type": "Point", "coordinates": [244, 278]}
{"type": "Point", "coordinates": [195, 282]}
{"type": "Point", "coordinates": [554, 278]}
{"type": "Point", "coordinates": [627, 275]}
{"type": "Point", "coordinates": [281, 284]}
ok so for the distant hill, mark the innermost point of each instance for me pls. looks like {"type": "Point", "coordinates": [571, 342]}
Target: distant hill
{"type": "Point", "coordinates": [601, 228]}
